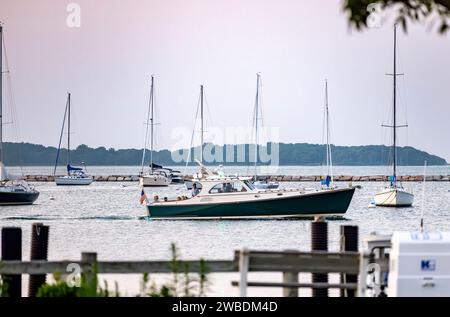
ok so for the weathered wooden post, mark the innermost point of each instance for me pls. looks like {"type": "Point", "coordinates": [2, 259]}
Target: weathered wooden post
{"type": "Point", "coordinates": [290, 277]}
{"type": "Point", "coordinates": [12, 250]}
{"type": "Point", "coordinates": [319, 242]}
{"type": "Point", "coordinates": [348, 242]}
{"type": "Point", "coordinates": [88, 262]}
{"type": "Point", "coordinates": [243, 269]}
{"type": "Point", "coordinates": [39, 251]}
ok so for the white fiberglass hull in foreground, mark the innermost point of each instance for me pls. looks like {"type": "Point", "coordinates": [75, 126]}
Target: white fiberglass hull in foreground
{"type": "Point", "coordinates": [73, 180]}
{"type": "Point", "coordinates": [394, 197]}
{"type": "Point", "coordinates": [154, 180]}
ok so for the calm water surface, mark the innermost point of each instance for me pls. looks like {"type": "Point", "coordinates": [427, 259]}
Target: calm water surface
{"type": "Point", "coordinates": [107, 218]}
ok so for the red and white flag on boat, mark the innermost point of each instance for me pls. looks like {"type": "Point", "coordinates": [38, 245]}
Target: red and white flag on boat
{"type": "Point", "coordinates": [143, 197]}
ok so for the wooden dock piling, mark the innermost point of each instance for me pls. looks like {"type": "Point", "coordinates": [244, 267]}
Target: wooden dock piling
{"type": "Point", "coordinates": [290, 277]}
{"type": "Point", "coordinates": [12, 250]}
{"type": "Point", "coordinates": [319, 242]}
{"type": "Point", "coordinates": [89, 266]}
{"type": "Point", "coordinates": [39, 251]}
{"type": "Point", "coordinates": [348, 242]}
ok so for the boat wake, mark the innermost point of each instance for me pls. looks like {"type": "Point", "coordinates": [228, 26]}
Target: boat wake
{"type": "Point", "coordinates": [330, 218]}
{"type": "Point", "coordinates": [105, 218]}
{"type": "Point", "coordinates": [37, 217]}
{"type": "Point", "coordinates": [44, 217]}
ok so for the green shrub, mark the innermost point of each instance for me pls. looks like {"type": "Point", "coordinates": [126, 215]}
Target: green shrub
{"type": "Point", "coordinates": [3, 288]}
{"type": "Point", "coordinates": [87, 288]}
{"type": "Point", "coordinates": [182, 283]}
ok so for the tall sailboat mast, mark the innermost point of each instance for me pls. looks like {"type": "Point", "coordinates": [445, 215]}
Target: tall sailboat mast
{"type": "Point", "coordinates": [11, 194]}
{"type": "Point", "coordinates": [1, 92]}
{"type": "Point", "coordinates": [154, 177]}
{"type": "Point", "coordinates": [68, 129]}
{"type": "Point", "coordinates": [201, 123]}
{"type": "Point", "coordinates": [327, 122]}
{"type": "Point", "coordinates": [395, 107]}
{"type": "Point", "coordinates": [256, 123]}
{"type": "Point", "coordinates": [151, 124]}
{"type": "Point", "coordinates": [394, 125]}
{"type": "Point", "coordinates": [394, 195]}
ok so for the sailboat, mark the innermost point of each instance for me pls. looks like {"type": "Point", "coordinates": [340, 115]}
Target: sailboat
{"type": "Point", "coordinates": [327, 183]}
{"type": "Point", "coordinates": [394, 195]}
{"type": "Point", "coordinates": [190, 183]}
{"type": "Point", "coordinates": [203, 172]}
{"type": "Point", "coordinates": [12, 192]}
{"type": "Point", "coordinates": [261, 185]}
{"type": "Point", "coordinates": [157, 176]}
{"type": "Point", "coordinates": [75, 175]}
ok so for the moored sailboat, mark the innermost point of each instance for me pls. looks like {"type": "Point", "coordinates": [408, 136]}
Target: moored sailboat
{"type": "Point", "coordinates": [156, 176]}
{"type": "Point", "coordinates": [327, 182]}
{"type": "Point", "coordinates": [394, 195]}
{"type": "Point", "coordinates": [190, 183]}
{"type": "Point", "coordinates": [75, 175]}
{"type": "Point", "coordinates": [12, 191]}
{"type": "Point", "coordinates": [262, 185]}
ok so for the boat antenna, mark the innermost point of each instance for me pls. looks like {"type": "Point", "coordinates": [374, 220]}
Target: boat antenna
{"type": "Point", "coordinates": [423, 195]}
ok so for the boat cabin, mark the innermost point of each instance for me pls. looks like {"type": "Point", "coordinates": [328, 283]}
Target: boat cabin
{"type": "Point", "coordinates": [216, 186]}
{"type": "Point", "coordinates": [221, 186]}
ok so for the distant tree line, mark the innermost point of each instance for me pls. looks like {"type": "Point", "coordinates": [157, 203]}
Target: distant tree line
{"type": "Point", "coordinates": [26, 154]}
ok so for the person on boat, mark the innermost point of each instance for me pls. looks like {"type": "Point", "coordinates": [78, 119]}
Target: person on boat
{"type": "Point", "coordinates": [195, 190]}
{"type": "Point", "coordinates": [228, 188]}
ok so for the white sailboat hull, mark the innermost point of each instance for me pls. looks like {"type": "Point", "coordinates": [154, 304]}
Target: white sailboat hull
{"type": "Point", "coordinates": [154, 181]}
{"type": "Point", "coordinates": [394, 197]}
{"type": "Point", "coordinates": [73, 180]}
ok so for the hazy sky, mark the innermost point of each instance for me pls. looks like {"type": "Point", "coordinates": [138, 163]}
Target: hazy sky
{"type": "Point", "coordinates": [106, 63]}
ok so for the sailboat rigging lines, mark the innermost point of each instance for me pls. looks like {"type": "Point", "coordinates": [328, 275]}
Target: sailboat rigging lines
{"type": "Point", "coordinates": [12, 192]}
{"type": "Point", "coordinates": [75, 175]}
{"type": "Point", "coordinates": [157, 175]}
{"type": "Point", "coordinates": [394, 195]}
{"type": "Point", "coordinates": [326, 127]}
{"type": "Point", "coordinates": [257, 116]}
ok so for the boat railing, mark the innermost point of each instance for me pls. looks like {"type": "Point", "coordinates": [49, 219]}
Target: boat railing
{"type": "Point", "coordinates": [157, 199]}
